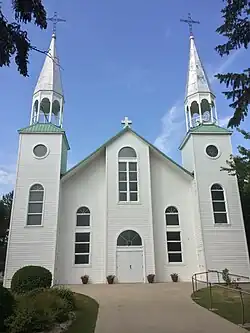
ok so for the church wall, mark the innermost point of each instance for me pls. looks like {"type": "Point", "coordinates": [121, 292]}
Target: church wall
{"type": "Point", "coordinates": [225, 244]}
{"type": "Point", "coordinates": [187, 154]}
{"type": "Point", "coordinates": [34, 245]}
{"type": "Point", "coordinates": [171, 187]}
{"type": "Point", "coordinates": [134, 216]}
{"type": "Point", "coordinates": [85, 188]}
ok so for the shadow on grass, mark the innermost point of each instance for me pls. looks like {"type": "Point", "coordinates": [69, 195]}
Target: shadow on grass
{"type": "Point", "coordinates": [226, 303]}
{"type": "Point", "coordinates": [86, 315]}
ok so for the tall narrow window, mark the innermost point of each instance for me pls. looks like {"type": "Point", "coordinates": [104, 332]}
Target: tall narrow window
{"type": "Point", "coordinates": [174, 246]}
{"type": "Point", "coordinates": [83, 217]}
{"type": "Point", "coordinates": [35, 205]}
{"type": "Point", "coordinates": [128, 175]}
{"type": "Point", "coordinates": [82, 248]}
{"type": "Point", "coordinates": [171, 214]}
{"type": "Point", "coordinates": [219, 204]}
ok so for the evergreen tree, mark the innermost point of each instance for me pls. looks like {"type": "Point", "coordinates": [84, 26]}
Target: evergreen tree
{"type": "Point", "coordinates": [5, 213]}
{"type": "Point", "coordinates": [239, 165]}
{"type": "Point", "coordinates": [236, 30]}
{"type": "Point", "coordinates": [14, 40]}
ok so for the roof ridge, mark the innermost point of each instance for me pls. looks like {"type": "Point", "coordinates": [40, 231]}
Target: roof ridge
{"type": "Point", "coordinates": [109, 141]}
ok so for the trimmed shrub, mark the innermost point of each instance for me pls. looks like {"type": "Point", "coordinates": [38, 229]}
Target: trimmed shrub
{"type": "Point", "coordinates": [40, 312]}
{"type": "Point", "coordinates": [30, 277]}
{"type": "Point", "coordinates": [65, 294]}
{"type": "Point", "coordinates": [7, 303]}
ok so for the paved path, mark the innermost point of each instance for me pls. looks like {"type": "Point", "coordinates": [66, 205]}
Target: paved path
{"type": "Point", "coordinates": [152, 308]}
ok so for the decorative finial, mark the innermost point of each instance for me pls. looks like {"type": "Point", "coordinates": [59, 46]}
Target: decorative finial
{"type": "Point", "coordinates": [190, 23]}
{"type": "Point", "coordinates": [55, 20]}
{"type": "Point", "coordinates": [126, 122]}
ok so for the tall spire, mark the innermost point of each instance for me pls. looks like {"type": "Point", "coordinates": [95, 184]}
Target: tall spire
{"type": "Point", "coordinates": [197, 80]}
{"type": "Point", "coordinates": [199, 99]}
{"type": "Point", "coordinates": [50, 76]}
{"type": "Point", "coordinates": [48, 98]}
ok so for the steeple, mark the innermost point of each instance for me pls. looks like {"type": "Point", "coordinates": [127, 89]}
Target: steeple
{"type": "Point", "coordinates": [48, 98]}
{"type": "Point", "coordinates": [199, 99]}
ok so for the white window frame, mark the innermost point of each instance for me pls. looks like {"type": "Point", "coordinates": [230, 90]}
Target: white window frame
{"type": "Point", "coordinates": [175, 252]}
{"type": "Point", "coordinates": [225, 202]}
{"type": "Point", "coordinates": [173, 228]}
{"type": "Point", "coordinates": [89, 242]}
{"type": "Point", "coordinates": [34, 202]}
{"type": "Point", "coordinates": [170, 213]}
{"type": "Point", "coordinates": [80, 214]}
{"type": "Point", "coordinates": [128, 160]}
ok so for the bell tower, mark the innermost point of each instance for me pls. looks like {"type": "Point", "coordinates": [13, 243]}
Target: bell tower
{"type": "Point", "coordinates": [199, 101]}
{"type": "Point", "coordinates": [219, 225]}
{"type": "Point", "coordinates": [48, 98]}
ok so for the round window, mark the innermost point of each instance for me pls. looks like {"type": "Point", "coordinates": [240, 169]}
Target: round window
{"type": "Point", "coordinates": [40, 150]}
{"type": "Point", "coordinates": [212, 151]}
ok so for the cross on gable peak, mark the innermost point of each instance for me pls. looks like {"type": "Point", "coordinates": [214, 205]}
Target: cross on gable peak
{"type": "Point", "coordinates": [126, 122]}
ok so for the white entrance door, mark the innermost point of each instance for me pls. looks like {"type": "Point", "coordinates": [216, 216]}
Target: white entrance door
{"type": "Point", "coordinates": [130, 266]}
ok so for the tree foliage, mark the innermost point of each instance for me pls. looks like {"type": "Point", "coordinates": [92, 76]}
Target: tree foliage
{"type": "Point", "coordinates": [239, 165]}
{"type": "Point", "coordinates": [236, 30]}
{"type": "Point", "coordinates": [5, 212]}
{"type": "Point", "coordinates": [14, 41]}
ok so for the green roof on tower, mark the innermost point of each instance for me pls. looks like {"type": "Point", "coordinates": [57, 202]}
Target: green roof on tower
{"type": "Point", "coordinates": [205, 129]}
{"type": "Point", "coordinates": [44, 128]}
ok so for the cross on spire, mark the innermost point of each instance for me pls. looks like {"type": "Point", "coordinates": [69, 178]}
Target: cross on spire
{"type": "Point", "coordinates": [55, 20]}
{"type": "Point", "coordinates": [126, 122]}
{"type": "Point", "coordinates": [190, 23]}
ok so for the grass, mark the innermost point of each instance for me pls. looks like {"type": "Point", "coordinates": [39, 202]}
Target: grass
{"type": "Point", "coordinates": [226, 302]}
{"type": "Point", "coordinates": [86, 315]}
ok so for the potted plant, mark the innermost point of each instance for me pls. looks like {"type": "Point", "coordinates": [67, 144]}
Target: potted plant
{"type": "Point", "coordinates": [174, 277]}
{"type": "Point", "coordinates": [151, 278]}
{"type": "Point", "coordinates": [85, 279]}
{"type": "Point", "coordinates": [110, 279]}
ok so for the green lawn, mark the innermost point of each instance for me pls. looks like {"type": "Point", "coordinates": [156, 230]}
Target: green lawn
{"type": "Point", "coordinates": [86, 315]}
{"type": "Point", "coordinates": [226, 302]}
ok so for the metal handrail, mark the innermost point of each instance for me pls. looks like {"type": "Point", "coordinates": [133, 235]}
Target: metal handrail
{"type": "Point", "coordinates": [209, 284]}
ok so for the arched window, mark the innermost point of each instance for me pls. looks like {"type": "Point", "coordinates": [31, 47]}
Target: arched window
{"type": "Point", "coordinates": [128, 175]}
{"type": "Point", "coordinates": [219, 204]}
{"type": "Point", "coordinates": [35, 205]}
{"type": "Point", "coordinates": [44, 110]}
{"type": "Point", "coordinates": [171, 214]}
{"type": "Point", "coordinates": [205, 110]}
{"type": "Point", "coordinates": [35, 111]}
{"type": "Point", "coordinates": [129, 238]}
{"type": "Point", "coordinates": [173, 233]}
{"type": "Point", "coordinates": [195, 113]}
{"type": "Point", "coordinates": [83, 217]}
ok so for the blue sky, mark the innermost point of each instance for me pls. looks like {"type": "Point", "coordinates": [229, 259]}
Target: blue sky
{"type": "Point", "coordinates": [119, 58]}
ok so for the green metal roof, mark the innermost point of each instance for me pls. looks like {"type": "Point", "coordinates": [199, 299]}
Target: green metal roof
{"type": "Point", "coordinates": [41, 128]}
{"type": "Point", "coordinates": [126, 129]}
{"type": "Point", "coordinates": [205, 129]}
{"type": "Point", "coordinates": [44, 128]}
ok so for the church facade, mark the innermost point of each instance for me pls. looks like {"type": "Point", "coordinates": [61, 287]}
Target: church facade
{"type": "Point", "coordinates": [127, 209]}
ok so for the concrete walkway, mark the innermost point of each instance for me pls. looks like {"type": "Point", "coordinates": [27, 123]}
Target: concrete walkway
{"type": "Point", "coordinates": [152, 308]}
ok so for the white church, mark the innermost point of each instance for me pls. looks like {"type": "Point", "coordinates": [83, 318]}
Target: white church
{"type": "Point", "coordinates": [127, 209]}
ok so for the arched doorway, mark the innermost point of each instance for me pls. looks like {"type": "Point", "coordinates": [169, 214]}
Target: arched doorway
{"type": "Point", "coordinates": [129, 257]}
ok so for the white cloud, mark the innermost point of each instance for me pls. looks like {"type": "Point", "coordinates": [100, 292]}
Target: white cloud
{"type": "Point", "coordinates": [172, 126]}
{"type": "Point", "coordinates": [7, 178]}
{"type": "Point", "coordinates": [225, 64]}
{"type": "Point", "coordinates": [224, 121]}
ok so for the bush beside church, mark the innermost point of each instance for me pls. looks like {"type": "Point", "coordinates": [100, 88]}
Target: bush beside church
{"type": "Point", "coordinates": [32, 305]}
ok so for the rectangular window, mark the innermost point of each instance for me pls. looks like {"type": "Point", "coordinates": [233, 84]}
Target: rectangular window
{"type": "Point", "coordinates": [174, 246]}
{"type": "Point", "coordinates": [82, 248]}
{"type": "Point", "coordinates": [35, 205]}
{"type": "Point", "coordinates": [128, 181]}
